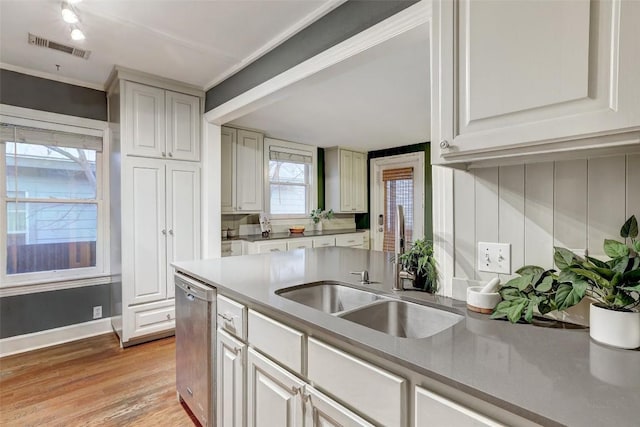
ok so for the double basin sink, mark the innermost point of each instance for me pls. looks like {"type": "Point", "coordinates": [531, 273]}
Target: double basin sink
{"type": "Point", "coordinates": [382, 313]}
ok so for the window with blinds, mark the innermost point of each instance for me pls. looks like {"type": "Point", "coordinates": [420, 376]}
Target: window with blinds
{"type": "Point", "coordinates": [398, 190]}
{"type": "Point", "coordinates": [289, 180]}
{"type": "Point", "coordinates": [51, 199]}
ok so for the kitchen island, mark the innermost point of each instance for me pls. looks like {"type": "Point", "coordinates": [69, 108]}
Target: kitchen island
{"type": "Point", "coordinates": [547, 375]}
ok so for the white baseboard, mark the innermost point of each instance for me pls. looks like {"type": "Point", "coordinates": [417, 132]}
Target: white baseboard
{"type": "Point", "coordinates": [50, 337]}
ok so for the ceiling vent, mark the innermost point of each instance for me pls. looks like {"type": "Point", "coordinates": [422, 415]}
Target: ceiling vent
{"type": "Point", "coordinates": [41, 41]}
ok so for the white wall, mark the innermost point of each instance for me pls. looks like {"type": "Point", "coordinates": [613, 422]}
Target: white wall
{"type": "Point", "coordinates": [574, 204]}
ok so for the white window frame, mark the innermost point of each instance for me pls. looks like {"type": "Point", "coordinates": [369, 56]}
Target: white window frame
{"type": "Point", "coordinates": [59, 279]}
{"type": "Point", "coordinates": [313, 175]}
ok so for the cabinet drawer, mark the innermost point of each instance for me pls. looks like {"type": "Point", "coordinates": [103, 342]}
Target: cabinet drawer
{"type": "Point", "coordinates": [378, 393]}
{"type": "Point", "coordinates": [264, 248]}
{"type": "Point", "coordinates": [321, 242]}
{"type": "Point", "coordinates": [231, 317]}
{"type": "Point", "coordinates": [433, 409]}
{"type": "Point", "coordinates": [349, 240]}
{"type": "Point", "coordinates": [152, 318]}
{"type": "Point", "coordinates": [279, 341]}
{"type": "Point", "coordinates": [299, 244]}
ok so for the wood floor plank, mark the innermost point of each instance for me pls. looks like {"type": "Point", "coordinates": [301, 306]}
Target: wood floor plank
{"type": "Point", "coordinates": [93, 382]}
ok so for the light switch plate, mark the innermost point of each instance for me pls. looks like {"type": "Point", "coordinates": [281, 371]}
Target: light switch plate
{"type": "Point", "coordinates": [494, 257]}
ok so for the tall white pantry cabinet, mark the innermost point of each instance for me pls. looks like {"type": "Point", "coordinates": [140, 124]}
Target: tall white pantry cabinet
{"type": "Point", "coordinates": [155, 198]}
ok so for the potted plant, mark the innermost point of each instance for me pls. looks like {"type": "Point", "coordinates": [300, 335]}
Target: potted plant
{"type": "Point", "coordinates": [318, 215]}
{"type": "Point", "coordinates": [420, 262]}
{"type": "Point", "coordinates": [613, 284]}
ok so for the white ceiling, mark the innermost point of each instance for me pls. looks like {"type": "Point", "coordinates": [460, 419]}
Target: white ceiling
{"type": "Point", "coordinates": [196, 42]}
{"type": "Point", "coordinates": [378, 99]}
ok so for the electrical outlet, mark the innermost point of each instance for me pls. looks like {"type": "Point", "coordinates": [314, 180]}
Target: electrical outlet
{"type": "Point", "coordinates": [97, 312]}
{"type": "Point", "coordinates": [494, 257]}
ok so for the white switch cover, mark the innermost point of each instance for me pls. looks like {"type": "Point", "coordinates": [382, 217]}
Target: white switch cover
{"type": "Point", "coordinates": [494, 257]}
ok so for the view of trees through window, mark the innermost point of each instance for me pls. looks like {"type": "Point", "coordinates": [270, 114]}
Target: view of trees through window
{"type": "Point", "coordinates": [289, 187]}
{"type": "Point", "coordinates": [52, 211]}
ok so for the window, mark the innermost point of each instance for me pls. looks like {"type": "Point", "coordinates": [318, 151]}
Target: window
{"type": "Point", "coordinates": [398, 190]}
{"type": "Point", "coordinates": [290, 189]}
{"type": "Point", "coordinates": [52, 201]}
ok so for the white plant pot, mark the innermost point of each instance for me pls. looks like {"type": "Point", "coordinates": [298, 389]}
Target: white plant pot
{"type": "Point", "coordinates": [318, 226]}
{"type": "Point", "coordinates": [615, 328]}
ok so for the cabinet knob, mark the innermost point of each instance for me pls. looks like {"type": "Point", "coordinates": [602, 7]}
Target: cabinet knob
{"type": "Point", "coordinates": [170, 154]}
{"type": "Point", "coordinates": [164, 232]}
{"type": "Point", "coordinates": [168, 317]}
{"type": "Point", "coordinates": [171, 232]}
{"type": "Point", "coordinates": [444, 144]}
{"type": "Point", "coordinates": [164, 154]}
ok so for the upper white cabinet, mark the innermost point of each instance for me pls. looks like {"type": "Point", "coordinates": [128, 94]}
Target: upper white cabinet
{"type": "Point", "coordinates": [345, 180]}
{"type": "Point", "coordinates": [532, 77]}
{"type": "Point", "coordinates": [242, 171]}
{"type": "Point", "coordinates": [161, 123]}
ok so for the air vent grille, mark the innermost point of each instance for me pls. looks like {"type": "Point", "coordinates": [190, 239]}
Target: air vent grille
{"type": "Point", "coordinates": [41, 41]}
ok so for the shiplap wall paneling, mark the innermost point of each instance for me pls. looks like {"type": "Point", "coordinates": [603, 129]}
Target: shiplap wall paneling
{"type": "Point", "coordinates": [486, 214]}
{"type": "Point", "coordinates": [570, 204]}
{"type": "Point", "coordinates": [538, 221]}
{"type": "Point", "coordinates": [633, 186]}
{"type": "Point", "coordinates": [605, 201]}
{"type": "Point", "coordinates": [511, 213]}
{"type": "Point", "coordinates": [465, 224]}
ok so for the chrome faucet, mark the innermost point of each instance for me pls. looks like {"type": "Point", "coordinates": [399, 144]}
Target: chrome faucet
{"type": "Point", "coordinates": [400, 274]}
{"type": "Point", "coordinates": [364, 276]}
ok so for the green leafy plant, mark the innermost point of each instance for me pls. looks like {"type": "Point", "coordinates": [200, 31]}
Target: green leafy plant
{"type": "Point", "coordinates": [614, 284]}
{"type": "Point", "coordinates": [419, 260]}
{"type": "Point", "coordinates": [318, 214]}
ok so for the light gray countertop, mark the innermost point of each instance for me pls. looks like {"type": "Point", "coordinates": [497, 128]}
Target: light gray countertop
{"type": "Point", "coordinates": [544, 374]}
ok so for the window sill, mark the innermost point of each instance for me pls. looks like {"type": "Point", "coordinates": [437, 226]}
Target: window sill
{"type": "Point", "coordinates": [32, 287]}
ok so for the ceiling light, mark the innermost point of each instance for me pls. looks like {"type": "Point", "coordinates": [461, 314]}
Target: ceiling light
{"type": "Point", "coordinates": [68, 13]}
{"type": "Point", "coordinates": [76, 33]}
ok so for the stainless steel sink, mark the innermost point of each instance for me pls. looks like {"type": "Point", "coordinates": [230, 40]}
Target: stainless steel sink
{"type": "Point", "coordinates": [403, 319]}
{"type": "Point", "coordinates": [330, 297]}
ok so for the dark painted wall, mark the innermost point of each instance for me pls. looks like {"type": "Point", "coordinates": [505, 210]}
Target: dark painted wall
{"type": "Point", "coordinates": [23, 314]}
{"type": "Point", "coordinates": [37, 93]}
{"type": "Point", "coordinates": [337, 26]}
{"type": "Point", "coordinates": [363, 220]}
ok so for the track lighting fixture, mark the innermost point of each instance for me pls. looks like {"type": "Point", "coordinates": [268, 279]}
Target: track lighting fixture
{"type": "Point", "coordinates": [68, 13]}
{"type": "Point", "coordinates": [76, 33]}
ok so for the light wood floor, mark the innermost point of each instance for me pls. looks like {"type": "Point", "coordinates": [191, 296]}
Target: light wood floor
{"type": "Point", "coordinates": [92, 382]}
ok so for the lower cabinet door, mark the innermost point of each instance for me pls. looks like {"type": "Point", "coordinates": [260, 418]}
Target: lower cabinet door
{"type": "Point", "coordinates": [434, 410]}
{"type": "Point", "coordinates": [274, 396]}
{"type": "Point", "coordinates": [322, 411]}
{"type": "Point", "coordinates": [231, 355]}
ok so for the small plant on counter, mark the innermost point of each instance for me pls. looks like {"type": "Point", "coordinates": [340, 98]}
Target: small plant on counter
{"type": "Point", "coordinates": [318, 214]}
{"type": "Point", "coordinates": [419, 260]}
{"type": "Point", "coordinates": [614, 284]}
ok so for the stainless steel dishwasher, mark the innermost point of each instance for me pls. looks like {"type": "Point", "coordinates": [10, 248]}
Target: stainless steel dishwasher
{"type": "Point", "coordinates": [195, 347]}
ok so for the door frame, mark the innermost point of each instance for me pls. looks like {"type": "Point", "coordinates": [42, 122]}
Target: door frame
{"type": "Point", "coordinates": [376, 166]}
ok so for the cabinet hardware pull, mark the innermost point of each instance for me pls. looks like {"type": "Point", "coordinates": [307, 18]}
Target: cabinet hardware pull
{"type": "Point", "coordinates": [164, 154]}
{"type": "Point", "coordinates": [226, 317]}
{"type": "Point", "coordinates": [168, 317]}
{"type": "Point", "coordinates": [170, 154]}
{"type": "Point", "coordinates": [444, 144]}
{"type": "Point", "coordinates": [164, 232]}
{"type": "Point", "coordinates": [236, 350]}
{"type": "Point", "coordinates": [171, 232]}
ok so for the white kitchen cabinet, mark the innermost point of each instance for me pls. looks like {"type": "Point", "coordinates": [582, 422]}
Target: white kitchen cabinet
{"type": "Point", "coordinates": [267, 247]}
{"type": "Point", "coordinates": [154, 197]}
{"type": "Point", "coordinates": [324, 241]}
{"type": "Point", "coordinates": [434, 410]}
{"type": "Point", "coordinates": [162, 208]}
{"type": "Point", "coordinates": [350, 240]}
{"type": "Point", "coordinates": [230, 379]}
{"type": "Point", "coordinates": [322, 411]}
{"type": "Point", "coordinates": [530, 78]}
{"type": "Point", "coordinates": [242, 171]}
{"type": "Point", "coordinates": [161, 123]}
{"type": "Point", "coordinates": [274, 396]}
{"type": "Point", "coordinates": [345, 180]}
{"type": "Point", "coordinates": [376, 392]}
{"type": "Point", "coordinates": [299, 243]}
